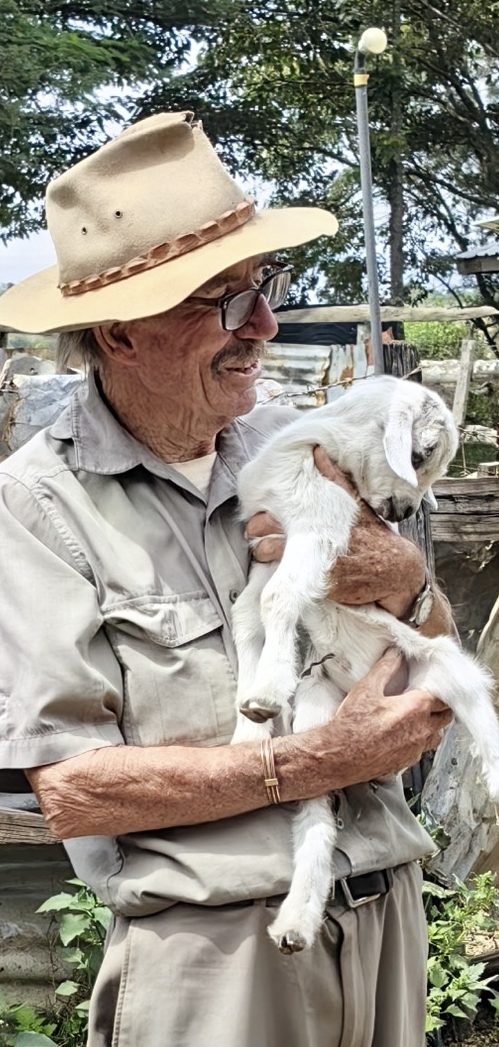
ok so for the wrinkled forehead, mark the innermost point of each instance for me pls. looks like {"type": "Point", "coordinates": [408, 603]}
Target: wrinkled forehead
{"type": "Point", "coordinates": [232, 278]}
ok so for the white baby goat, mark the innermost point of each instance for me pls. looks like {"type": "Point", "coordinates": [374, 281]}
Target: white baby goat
{"type": "Point", "coordinates": [394, 438]}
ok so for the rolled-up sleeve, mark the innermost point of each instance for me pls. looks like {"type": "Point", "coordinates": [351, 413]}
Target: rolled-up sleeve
{"type": "Point", "coordinates": [60, 682]}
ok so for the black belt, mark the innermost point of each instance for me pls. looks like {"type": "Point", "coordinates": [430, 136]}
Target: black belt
{"type": "Point", "coordinates": [367, 887]}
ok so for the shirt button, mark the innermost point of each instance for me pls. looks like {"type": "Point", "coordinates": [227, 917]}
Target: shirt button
{"type": "Point", "coordinates": [233, 595]}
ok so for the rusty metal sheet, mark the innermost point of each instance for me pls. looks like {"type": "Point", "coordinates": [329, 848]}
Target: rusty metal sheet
{"type": "Point", "coordinates": [31, 402]}
{"type": "Point", "coordinates": [312, 375]}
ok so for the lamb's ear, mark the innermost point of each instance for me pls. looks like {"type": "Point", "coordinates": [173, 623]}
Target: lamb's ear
{"type": "Point", "coordinates": [430, 499]}
{"type": "Point", "coordinates": [397, 442]}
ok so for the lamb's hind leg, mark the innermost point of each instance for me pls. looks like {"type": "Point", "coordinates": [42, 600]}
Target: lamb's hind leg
{"type": "Point", "coordinates": [314, 833]}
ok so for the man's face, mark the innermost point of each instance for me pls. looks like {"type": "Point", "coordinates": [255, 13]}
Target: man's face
{"type": "Point", "coordinates": [187, 359]}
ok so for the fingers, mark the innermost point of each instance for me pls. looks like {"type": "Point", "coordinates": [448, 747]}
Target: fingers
{"type": "Point", "coordinates": [436, 739]}
{"type": "Point", "coordinates": [442, 719]}
{"type": "Point", "coordinates": [438, 711]}
{"type": "Point", "coordinates": [331, 471]}
{"type": "Point", "coordinates": [267, 550]}
{"type": "Point", "coordinates": [386, 668]}
{"type": "Point", "coordinates": [261, 525]}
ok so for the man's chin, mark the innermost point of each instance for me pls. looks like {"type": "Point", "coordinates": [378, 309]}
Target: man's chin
{"type": "Point", "coordinates": [246, 402]}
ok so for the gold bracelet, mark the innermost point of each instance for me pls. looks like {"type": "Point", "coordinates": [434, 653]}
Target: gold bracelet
{"type": "Point", "coordinates": [269, 773]}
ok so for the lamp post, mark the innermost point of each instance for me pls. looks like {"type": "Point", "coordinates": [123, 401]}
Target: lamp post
{"type": "Point", "coordinates": [372, 42]}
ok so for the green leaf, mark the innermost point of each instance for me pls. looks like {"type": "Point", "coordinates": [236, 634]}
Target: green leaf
{"type": "Point", "coordinates": [67, 988]}
{"type": "Point", "coordinates": [437, 976]}
{"type": "Point", "coordinates": [33, 1039]}
{"type": "Point", "coordinates": [72, 926]}
{"type": "Point", "coordinates": [72, 955]}
{"type": "Point", "coordinates": [432, 1023]}
{"type": "Point", "coordinates": [457, 1012]}
{"type": "Point", "coordinates": [83, 1007]}
{"type": "Point", "coordinates": [435, 890]}
{"type": "Point", "coordinates": [57, 902]}
{"type": "Point", "coordinates": [103, 916]}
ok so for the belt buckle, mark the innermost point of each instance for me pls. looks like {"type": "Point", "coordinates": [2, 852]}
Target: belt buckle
{"type": "Point", "coordinates": [354, 903]}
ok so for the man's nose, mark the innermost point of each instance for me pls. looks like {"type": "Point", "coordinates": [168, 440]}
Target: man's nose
{"type": "Point", "coordinates": [262, 323]}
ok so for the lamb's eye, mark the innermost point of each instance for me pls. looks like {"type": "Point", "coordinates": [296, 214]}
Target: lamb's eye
{"type": "Point", "coordinates": [417, 459]}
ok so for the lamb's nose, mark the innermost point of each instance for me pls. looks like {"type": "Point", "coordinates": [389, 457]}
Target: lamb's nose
{"type": "Point", "coordinates": [408, 512]}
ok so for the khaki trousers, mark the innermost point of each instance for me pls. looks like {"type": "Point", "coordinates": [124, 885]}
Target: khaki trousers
{"type": "Point", "coordinates": [193, 976]}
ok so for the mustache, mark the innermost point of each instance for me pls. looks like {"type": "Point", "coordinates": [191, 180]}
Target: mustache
{"type": "Point", "coordinates": [239, 352]}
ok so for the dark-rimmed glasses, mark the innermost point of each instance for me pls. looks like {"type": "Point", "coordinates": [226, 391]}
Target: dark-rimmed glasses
{"type": "Point", "coordinates": [237, 308]}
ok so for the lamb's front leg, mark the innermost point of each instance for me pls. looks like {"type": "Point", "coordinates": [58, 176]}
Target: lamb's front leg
{"type": "Point", "coordinates": [249, 639]}
{"type": "Point", "coordinates": [298, 581]}
{"type": "Point", "coordinates": [314, 834]}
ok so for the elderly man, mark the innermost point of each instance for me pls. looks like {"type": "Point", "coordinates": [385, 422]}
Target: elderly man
{"type": "Point", "coordinates": [122, 554]}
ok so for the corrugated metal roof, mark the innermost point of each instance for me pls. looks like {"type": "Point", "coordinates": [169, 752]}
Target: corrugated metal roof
{"type": "Point", "coordinates": [315, 374]}
{"type": "Point", "coordinates": [488, 250]}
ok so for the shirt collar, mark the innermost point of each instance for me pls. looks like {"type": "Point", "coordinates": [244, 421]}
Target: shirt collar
{"type": "Point", "coordinates": [103, 446]}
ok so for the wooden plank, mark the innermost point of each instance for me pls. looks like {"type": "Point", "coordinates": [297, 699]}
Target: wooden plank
{"type": "Point", "coordinates": [360, 314]}
{"type": "Point", "coordinates": [468, 510]}
{"type": "Point", "coordinates": [463, 383]}
{"type": "Point", "coordinates": [486, 505]}
{"type": "Point", "coordinates": [482, 264]}
{"type": "Point", "coordinates": [24, 827]}
{"type": "Point", "coordinates": [461, 527]}
{"type": "Point", "coordinates": [466, 486]}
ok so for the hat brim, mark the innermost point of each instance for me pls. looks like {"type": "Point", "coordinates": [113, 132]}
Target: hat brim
{"type": "Point", "coordinates": [37, 306]}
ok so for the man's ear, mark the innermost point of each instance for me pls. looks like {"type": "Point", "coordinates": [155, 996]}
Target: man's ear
{"type": "Point", "coordinates": [397, 442]}
{"type": "Point", "coordinates": [114, 342]}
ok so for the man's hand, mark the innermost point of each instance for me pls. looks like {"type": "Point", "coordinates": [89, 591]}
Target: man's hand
{"type": "Point", "coordinates": [374, 734]}
{"type": "Point", "coordinates": [380, 566]}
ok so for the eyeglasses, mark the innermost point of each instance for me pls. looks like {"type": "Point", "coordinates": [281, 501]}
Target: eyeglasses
{"type": "Point", "coordinates": [237, 308]}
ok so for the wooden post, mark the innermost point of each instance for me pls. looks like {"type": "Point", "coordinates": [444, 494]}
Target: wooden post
{"type": "Point", "coordinates": [463, 381]}
{"type": "Point", "coordinates": [403, 359]}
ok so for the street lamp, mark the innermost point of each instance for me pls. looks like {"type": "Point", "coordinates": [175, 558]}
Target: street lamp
{"type": "Point", "coordinates": [372, 42]}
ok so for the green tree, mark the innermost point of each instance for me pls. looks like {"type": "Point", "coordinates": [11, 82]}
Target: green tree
{"type": "Point", "coordinates": [69, 69]}
{"type": "Point", "coordinates": [273, 85]}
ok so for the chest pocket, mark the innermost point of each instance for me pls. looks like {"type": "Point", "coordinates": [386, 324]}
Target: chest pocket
{"type": "Point", "coordinates": [178, 684]}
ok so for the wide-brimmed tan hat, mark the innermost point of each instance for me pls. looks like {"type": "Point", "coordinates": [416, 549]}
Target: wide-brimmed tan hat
{"type": "Point", "coordinates": [141, 224]}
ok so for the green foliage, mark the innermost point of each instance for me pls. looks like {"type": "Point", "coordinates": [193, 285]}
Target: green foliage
{"type": "Point", "coordinates": [69, 74]}
{"type": "Point", "coordinates": [455, 982]}
{"type": "Point", "coordinates": [483, 409]}
{"type": "Point", "coordinates": [21, 1026]}
{"type": "Point", "coordinates": [273, 85]}
{"type": "Point", "coordinates": [81, 922]}
{"type": "Point", "coordinates": [456, 916]}
{"type": "Point", "coordinates": [436, 341]}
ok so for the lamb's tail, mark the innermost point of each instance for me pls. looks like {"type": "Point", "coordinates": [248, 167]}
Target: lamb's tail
{"type": "Point", "coordinates": [439, 666]}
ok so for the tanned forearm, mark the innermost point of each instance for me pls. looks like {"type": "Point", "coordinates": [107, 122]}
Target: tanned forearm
{"type": "Point", "coordinates": [123, 789]}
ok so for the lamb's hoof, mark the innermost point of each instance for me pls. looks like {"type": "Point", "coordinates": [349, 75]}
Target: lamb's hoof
{"type": "Point", "coordinates": [257, 713]}
{"type": "Point", "coordinates": [290, 942]}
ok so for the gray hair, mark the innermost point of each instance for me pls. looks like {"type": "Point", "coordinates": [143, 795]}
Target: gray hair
{"type": "Point", "coordinates": [75, 347]}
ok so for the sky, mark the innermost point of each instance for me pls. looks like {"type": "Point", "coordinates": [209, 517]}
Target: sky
{"type": "Point", "coordinates": [21, 258]}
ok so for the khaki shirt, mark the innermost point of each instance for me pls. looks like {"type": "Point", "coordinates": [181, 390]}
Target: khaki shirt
{"type": "Point", "coordinates": [117, 580]}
